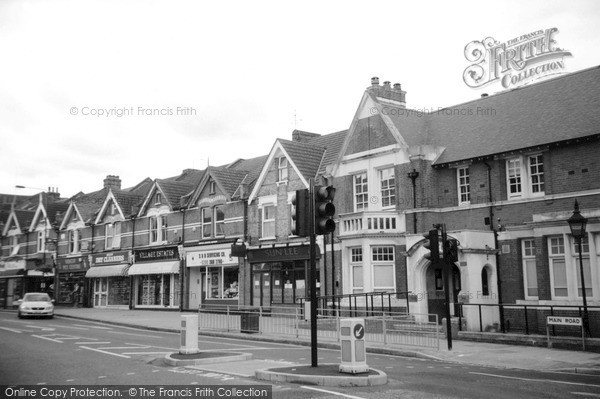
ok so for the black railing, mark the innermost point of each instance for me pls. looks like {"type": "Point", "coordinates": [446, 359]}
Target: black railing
{"type": "Point", "coordinates": [363, 304]}
{"type": "Point", "coordinates": [531, 319]}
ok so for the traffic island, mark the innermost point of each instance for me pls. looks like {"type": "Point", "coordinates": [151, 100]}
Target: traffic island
{"type": "Point", "coordinates": [324, 375]}
{"type": "Point", "coordinates": [195, 359]}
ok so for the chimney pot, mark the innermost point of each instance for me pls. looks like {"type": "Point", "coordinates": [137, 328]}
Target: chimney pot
{"type": "Point", "coordinates": [375, 81]}
{"type": "Point", "coordinates": [397, 86]}
{"type": "Point", "coordinates": [386, 85]}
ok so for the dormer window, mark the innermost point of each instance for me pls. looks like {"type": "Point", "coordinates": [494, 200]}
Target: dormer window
{"type": "Point", "coordinates": [113, 208]}
{"type": "Point", "coordinates": [212, 187]}
{"type": "Point", "coordinates": [282, 169]}
{"type": "Point", "coordinates": [157, 199]}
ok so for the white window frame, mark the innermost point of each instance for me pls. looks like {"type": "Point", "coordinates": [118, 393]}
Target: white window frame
{"type": "Point", "coordinates": [360, 192]}
{"type": "Point", "coordinates": [206, 219]}
{"type": "Point", "coordinates": [463, 181]}
{"type": "Point", "coordinates": [556, 252]}
{"type": "Point", "coordinates": [282, 169]}
{"type": "Point", "coordinates": [159, 229]}
{"type": "Point", "coordinates": [73, 241]}
{"type": "Point", "coordinates": [112, 235]}
{"type": "Point", "coordinates": [356, 264]}
{"type": "Point", "coordinates": [383, 259]}
{"type": "Point", "coordinates": [41, 241]}
{"type": "Point", "coordinates": [587, 266]}
{"type": "Point", "coordinates": [388, 187]}
{"type": "Point", "coordinates": [264, 221]}
{"type": "Point", "coordinates": [212, 187]}
{"type": "Point", "coordinates": [523, 173]}
{"type": "Point", "coordinates": [528, 252]}
{"type": "Point", "coordinates": [218, 223]}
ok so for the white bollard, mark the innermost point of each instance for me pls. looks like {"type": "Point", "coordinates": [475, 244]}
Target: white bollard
{"type": "Point", "coordinates": [352, 333]}
{"type": "Point", "coordinates": [189, 334]}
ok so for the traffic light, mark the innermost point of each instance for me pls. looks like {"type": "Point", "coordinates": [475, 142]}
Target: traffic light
{"type": "Point", "coordinates": [451, 249]}
{"type": "Point", "coordinates": [324, 209]}
{"type": "Point", "coordinates": [300, 213]}
{"type": "Point", "coordinates": [433, 245]}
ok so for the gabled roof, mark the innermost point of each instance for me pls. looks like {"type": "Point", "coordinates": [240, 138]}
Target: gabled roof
{"type": "Point", "coordinates": [333, 144]}
{"type": "Point", "coordinates": [307, 158]}
{"type": "Point", "coordinates": [127, 201]}
{"type": "Point", "coordinates": [20, 218]}
{"type": "Point", "coordinates": [228, 181]}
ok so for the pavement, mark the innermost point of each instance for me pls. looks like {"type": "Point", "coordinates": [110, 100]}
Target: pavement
{"type": "Point", "coordinates": [463, 352]}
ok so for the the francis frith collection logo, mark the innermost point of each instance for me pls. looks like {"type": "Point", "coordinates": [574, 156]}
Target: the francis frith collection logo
{"type": "Point", "coordinates": [516, 62]}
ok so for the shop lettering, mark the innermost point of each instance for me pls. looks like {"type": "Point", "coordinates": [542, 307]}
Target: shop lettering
{"type": "Point", "coordinates": [565, 321]}
{"type": "Point", "coordinates": [157, 254]}
{"type": "Point", "coordinates": [281, 252]}
{"type": "Point", "coordinates": [110, 259]}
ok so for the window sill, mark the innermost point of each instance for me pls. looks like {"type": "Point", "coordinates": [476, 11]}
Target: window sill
{"type": "Point", "coordinates": [267, 238]}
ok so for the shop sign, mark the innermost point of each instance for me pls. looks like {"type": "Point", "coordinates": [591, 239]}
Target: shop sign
{"type": "Point", "coordinates": [214, 257]}
{"type": "Point", "coordinates": [72, 264]}
{"type": "Point", "coordinates": [151, 255]}
{"type": "Point", "coordinates": [297, 252]}
{"type": "Point", "coordinates": [110, 258]}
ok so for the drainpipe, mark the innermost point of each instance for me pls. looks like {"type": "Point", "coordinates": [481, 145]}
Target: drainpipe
{"type": "Point", "coordinates": [413, 176]}
{"type": "Point", "coordinates": [497, 255]}
{"type": "Point", "coordinates": [247, 292]}
{"type": "Point", "coordinates": [90, 286]}
{"type": "Point", "coordinates": [181, 262]}
{"type": "Point", "coordinates": [131, 288]}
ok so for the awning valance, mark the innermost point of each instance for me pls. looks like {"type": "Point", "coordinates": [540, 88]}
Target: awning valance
{"type": "Point", "coordinates": [170, 267]}
{"type": "Point", "coordinates": [107, 271]}
{"type": "Point", "coordinates": [12, 273]}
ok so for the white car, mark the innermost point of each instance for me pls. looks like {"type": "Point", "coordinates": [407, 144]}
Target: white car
{"type": "Point", "coordinates": [36, 304]}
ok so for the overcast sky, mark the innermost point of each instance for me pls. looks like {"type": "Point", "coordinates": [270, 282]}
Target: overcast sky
{"type": "Point", "coordinates": [243, 72]}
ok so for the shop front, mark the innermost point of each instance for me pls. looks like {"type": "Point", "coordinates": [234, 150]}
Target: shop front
{"type": "Point", "coordinates": [72, 285]}
{"type": "Point", "coordinates": [213, 275]}
{"type": "Point", "coordinates": [156, 278]}
{"type": "Point", "coordinates": [280, 275]}
{"type": "Point", "coordinates": [11, 282]}
{"type": "Point", "coordinates": [108, 279]}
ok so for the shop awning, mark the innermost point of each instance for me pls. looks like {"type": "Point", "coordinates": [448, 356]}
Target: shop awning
{"type": "Point", "coordinates": [107, 271]}
{"type": "Point", "coordinates": [170, 267]}
{"type": "Point", "coordinates": [12, 273]}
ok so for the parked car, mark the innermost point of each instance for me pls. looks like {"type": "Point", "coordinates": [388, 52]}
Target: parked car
{"type": "Point", "coordinates": [36, 304]}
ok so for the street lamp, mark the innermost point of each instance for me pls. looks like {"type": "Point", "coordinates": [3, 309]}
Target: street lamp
{"type": "Point", "coordinates": [577, 224]}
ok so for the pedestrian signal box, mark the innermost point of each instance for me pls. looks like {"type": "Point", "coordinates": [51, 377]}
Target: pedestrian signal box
{"type": "Point", "coordinates": [189, 335]}
{"type": "Point", "coordinates": [352, 335]}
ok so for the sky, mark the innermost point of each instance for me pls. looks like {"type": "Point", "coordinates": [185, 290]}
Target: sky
{"type": "Point", "coordinates": [140, 88]}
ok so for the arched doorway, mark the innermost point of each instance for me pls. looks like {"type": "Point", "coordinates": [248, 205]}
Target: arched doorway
{"type": "Point", "coordinates": [434, 283]}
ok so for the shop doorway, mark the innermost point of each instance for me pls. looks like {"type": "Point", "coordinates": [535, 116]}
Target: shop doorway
{"type": "Point", "coordinates": [100, 292]}
{"type": "Point", "coordinates": [261, 289]}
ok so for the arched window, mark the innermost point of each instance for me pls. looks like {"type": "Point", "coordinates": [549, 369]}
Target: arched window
{"type": "Point", "coordinates": [485, 286]}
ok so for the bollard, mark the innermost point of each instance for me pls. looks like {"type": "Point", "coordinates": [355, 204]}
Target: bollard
{"type": "Point", "coordinates": [352, 332]}
{"type": "Point", "coordinates": [189, 335]}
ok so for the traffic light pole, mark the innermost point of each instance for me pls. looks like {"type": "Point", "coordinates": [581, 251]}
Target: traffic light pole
{"type": "Point", "coordinates": [313, 276]}
{"type": "Point", "coordinates": [446, 265]}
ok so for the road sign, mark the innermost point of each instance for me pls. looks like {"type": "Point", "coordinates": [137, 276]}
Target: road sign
{"type": "Point", "coordinates": [564, 321]}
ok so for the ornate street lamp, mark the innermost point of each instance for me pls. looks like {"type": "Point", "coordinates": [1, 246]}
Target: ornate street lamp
{"type": "Point", "coordinates": [577, 224]}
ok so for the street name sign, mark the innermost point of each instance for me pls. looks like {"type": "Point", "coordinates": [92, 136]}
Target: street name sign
{"type": "Point", "coordinates": [565, 321]}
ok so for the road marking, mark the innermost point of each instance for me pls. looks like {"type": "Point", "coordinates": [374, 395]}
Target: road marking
{"type": "Point", "coordinates": [11, 329]}
{"type": "Point", "coordinates": [144, 353]}
{"type": "Point", "coordinates": [75, 328]}
{"type": "Point", "coordinates": [125, 347]}
{"type": "Point", "coordinates": [535, 379]}
{"type": "Point", "coordinates": [70, 380]}
{"type": "Point", "coordinates": [92, 326]}
{"type": "Point", "coordinates": [92, 343]}
{"type": "Point", "coordinates": [108, 353]}
{"type": "Point", "coordinates": [139, 335]}
{"type": "Point", "coordinates": [331, 392]}
{"type": "Point", "coordinates": [49, 339]}
{"type": "Point", "coordinates": [587, 394]}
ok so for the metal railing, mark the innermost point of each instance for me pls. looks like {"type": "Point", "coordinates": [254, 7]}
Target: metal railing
{"type": "Point", "coordinates": [526, 319]}
{"type": "Point", "coordinates": [385, 328]}
{"type": "Point", "coordinates": [361, 304]}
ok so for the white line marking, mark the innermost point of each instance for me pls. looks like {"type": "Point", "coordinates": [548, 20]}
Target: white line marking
{"type": "Point", "coordinates": [144, 353]}
{"type": "Point", "coordinates": [49, 339]}
{"type": "Point", "coordinates": [535, 379]}
{"type": "Point", "coordinates": [75, 328]}
{"type": "Point", "coordinates": [108, 353]}
{"type": "Point", "coordinates": [139, 335]}
{"type": "Point", "coordinates": [124, 347]}
{"type": "Point", "coordinates": [92, 326]}
{"type": "Point", "coordinates": [92, 343]}
{"type": "Point", "coordinates": [153, 346]}
{"type": "Point", "coordinates": [332, 392]}
{"type": "Point", "coordinates": [587, 394]}
{"type": "Point", "coordinates": [11, 329]}
{"type": "Point", "coordinates": [71, 337]}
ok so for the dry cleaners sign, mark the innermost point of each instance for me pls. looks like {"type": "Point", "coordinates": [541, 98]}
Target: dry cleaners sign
{"type": "Point", "coordinates": [516, 62]}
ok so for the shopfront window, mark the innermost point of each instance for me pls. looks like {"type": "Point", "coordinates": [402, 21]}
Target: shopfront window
{"type": "Point", "coordinates": [222, 282]}
{"type": "Point", "coordinates": [284, 284]}
{"type": "Point", "coordinates": [158, 290]}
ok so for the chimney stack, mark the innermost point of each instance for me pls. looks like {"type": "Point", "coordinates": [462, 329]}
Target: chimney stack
{"type": "Point", "coordinates": [303, 137]}
{"type": "Point", "coordinates": [113, 182]}
{"type": "Point", "coordinates": [395, 96]}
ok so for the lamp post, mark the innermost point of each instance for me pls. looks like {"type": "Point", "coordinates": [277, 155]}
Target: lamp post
{"type": "Point", "coordinates": [577, 224]}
